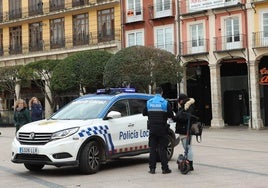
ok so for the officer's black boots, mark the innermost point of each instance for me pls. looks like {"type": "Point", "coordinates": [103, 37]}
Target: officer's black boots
{"type": "Point", "coordinates": [166, 171]}
{"type": "Point", "coordinates": [152, 171]}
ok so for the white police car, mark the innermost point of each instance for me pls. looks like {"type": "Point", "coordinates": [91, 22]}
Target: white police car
{"type": "Point", "coordinates": [87, 132]}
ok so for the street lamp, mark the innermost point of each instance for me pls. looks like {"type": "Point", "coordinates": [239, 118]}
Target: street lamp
{"type": "Point", "coordinates": [198, 71]}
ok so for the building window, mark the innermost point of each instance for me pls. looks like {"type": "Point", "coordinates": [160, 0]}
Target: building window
{"type": "Point", "coordinates": [35, 7]}
{"type": "Point", "coordinates": [106, 25]}
{"type": "Point", "coordinates": [164, 38]}
{"type": "Point", "coordinates": [35, 37]}
{"type": "Point", "coordinates": [14, 9]}
{"type": "Point", "coordinates": [1, 42]}
{"type": "Point", "coordinates": [163, 8]}
{"type": "Point", "coordinates": [133, 11]}
{"type": "Point", "coordinates": [265, 24]}
{"type": "Point", "coordinates": [57, 38]}
{"type": "Point", "coordinates": [15, 40]}
{"type": "Point", "coordinates": [135, 38]}
{"type": "Point", "coordinates": [80, 29]}
{"type": "Point", "coordinates": [76, 3]}
{"type": "Point", "coordinates": [55, 5]}
{"type": "Point", "coordinates": [197, 38]}
{"type": "Point", "coordinates": [232, 33]}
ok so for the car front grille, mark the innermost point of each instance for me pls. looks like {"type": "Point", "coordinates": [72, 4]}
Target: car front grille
{"type": "Point", "coordinates": [31, 157]}
{"type": "Point", "coordinates": [33, 138]}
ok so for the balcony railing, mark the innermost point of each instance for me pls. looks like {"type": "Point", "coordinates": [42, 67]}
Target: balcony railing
{"type": "Point", "coordinates": [194, 47]}
{"type": "Point", "coordinates": [160, 10]}
{"type": "Point", "coordinates": [15, 14]}
{"type": "Point", "coordinates": [90, 40]}
{"type": "Point", "coordinates": [60, 43]}
{"type": "Point", "coordinates": [36, 47]}
{"type": "Point", "coordinates": [15, 50]}
{"type": "Point", "coordinates": [260, 39]}
{"type": "Point", "coordinates": [80, 40]}
{"type": "Point", "coordinates": [50, 9]}
{"type": "Point", "coordinates": [230, 42]}
{"type": "Point", "coordinates": [36, 9]}
{"type": "Point", "coordinates": [55, 7]}
{"type": "Point", "coordinates": [134, 15]}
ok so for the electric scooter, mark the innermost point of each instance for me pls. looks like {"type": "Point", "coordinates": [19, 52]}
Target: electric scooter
{"type": "Point", "coordinates": [183, 162]}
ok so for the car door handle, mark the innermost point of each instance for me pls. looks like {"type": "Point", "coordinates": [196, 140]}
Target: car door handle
{"type": "Point", "coordinates": [130, 124]}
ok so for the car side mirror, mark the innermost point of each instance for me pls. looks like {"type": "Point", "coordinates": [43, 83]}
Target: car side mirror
{"type": "Point", "coordinates": [113, 114]}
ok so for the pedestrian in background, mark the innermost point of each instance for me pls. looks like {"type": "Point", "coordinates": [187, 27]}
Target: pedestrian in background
{"type": "Point", "coordinates": [21, 114]}
{"type": "Point", "coordinates": [158, 111]}
{"type": "Point", "coordinates": [36, 109]}
{"type": "Point", "coordinates": [185, 108]}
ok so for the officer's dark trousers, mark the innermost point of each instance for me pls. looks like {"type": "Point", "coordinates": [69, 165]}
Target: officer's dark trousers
{"type": "Point", "coordinates": [158, 144]}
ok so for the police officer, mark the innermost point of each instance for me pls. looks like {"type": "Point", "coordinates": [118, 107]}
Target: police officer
{"type": "Point", "coordinates": [158, 111]}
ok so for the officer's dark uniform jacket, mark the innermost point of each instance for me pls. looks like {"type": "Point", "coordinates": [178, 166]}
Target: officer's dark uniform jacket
{"type": "Point", "coordinates": [158, 111]}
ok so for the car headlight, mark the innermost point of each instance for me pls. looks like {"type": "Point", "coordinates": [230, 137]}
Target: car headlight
{"type": "Point", "coordinates": [64, 133]}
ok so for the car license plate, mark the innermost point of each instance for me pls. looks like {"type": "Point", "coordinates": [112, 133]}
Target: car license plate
{"type": "Point", "coordinates": [28, 150]}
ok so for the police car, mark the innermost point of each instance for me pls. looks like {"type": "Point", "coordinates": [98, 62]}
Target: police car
{"type": "Point", "coordinates": [89, 131]}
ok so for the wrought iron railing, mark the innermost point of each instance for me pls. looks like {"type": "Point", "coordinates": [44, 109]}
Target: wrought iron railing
{"type": "Point", "coordinates": [260, 39]}
{"type": "Point", "coordinates": [230, 42]}
{"type": "Point", "coordinates": [194, 46]}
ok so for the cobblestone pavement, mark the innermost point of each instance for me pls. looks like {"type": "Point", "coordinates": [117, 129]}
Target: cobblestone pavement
{"type": "Point", "coordinates": [229, 157]}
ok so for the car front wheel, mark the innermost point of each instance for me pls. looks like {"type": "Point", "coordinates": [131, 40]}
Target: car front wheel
{"type": "Point", "coordinates": [33, 167]}
{"type": "Point", "coordinates": [90, 158]}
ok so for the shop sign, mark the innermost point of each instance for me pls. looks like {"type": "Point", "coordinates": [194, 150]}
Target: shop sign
{"type": "Point", "coordinates": [197, 5]}
{"type": "Point", "coordinates": [264, 76]}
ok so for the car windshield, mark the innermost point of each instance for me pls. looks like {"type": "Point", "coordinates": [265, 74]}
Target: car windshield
{"type": "Point", "coordinates": [81, 110]}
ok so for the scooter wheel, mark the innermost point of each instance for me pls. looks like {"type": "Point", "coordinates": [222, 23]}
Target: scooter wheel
{"type": "Point", "coordinates": [184, 167]}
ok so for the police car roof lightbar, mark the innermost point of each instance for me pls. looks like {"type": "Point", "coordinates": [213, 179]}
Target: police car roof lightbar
{"type": "Point", "coordinates": [116, 90]}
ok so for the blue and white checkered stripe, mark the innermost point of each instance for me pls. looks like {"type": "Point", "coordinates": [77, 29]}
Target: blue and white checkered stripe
{"type": "Point", "coordinates": [99, 130]}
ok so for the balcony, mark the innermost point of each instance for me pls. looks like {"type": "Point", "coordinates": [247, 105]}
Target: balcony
{"type": "Point", "coordinates": [15, 50]}
{"type": "Point", "coordinates": [160, 10]}
{"type": "Point", "coordinates": [51, 10]}
{"type": "Point", "coordinates": [36, 9]}
{"type": "Point", "coordinates": [15, 14]}
{"type": "Point", "coordinates": [230, 42]}
{"type": "Point", "coordinates": [56, 7]}
{"type": "Point", "coordinates": [59, 43]}
{"type": "Point", "coordinates": [134, 15]}
{"type": "Point", "coordinates": [200, 46]}
{"type": "Point", "coordinates": [36, 47]}
{"type": "Point", "coordinates": [80, 40]}
{"type": "Point", "coordinates": [260, 39]}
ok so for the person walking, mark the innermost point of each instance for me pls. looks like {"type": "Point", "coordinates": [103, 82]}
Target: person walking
{"type": "Point", "coordinates": [21, 114]}
{"type": "Point", "coordinates": [185, 108]}
{"type": "Point", "coordinates": [158, 111]}
{"type": "Point", "coordinates": [36, 110]}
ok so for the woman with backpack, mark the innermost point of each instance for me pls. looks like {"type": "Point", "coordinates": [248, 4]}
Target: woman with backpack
{"type": "Point", "coordinates": [185, 108]}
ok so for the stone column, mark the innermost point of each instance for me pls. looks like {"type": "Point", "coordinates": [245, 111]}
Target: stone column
{"type": "Point", "coordinates": [216, 102]}
{"type": "Point", "coordinates": [17, 89]}
{"type": "Point", "coordinates": [255, 121]}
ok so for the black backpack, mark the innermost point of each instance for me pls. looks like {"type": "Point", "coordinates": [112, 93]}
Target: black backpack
{"type": "Point", "coordinates": [196, 129]}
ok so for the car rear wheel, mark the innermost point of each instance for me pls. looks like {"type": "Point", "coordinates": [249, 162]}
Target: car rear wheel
{"type": "Point", "coordinates": [33, 167]}
{"type": "Point", "coordinates": [90, 158]}
{"type": "Point", "coordinates": [170, 148]}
